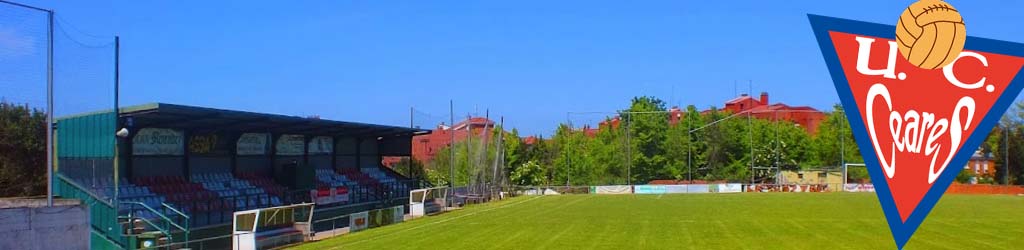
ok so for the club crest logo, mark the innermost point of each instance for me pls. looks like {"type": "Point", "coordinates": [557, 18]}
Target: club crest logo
{"type": "Point", "coordinates": [916, 125]}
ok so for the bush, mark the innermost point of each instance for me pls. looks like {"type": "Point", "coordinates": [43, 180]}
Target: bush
{"type": "Point", "coordinates": [22, 151]}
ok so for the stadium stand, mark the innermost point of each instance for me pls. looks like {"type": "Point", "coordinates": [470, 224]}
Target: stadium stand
{"type": "Point", "coordinates": [187, 196]}
{"type": "Point", "coordinates": [186, 168]}
{"type": "Point", "coordinates": [127, 192]}
{"type": "Point", "coordinates": [359, 177]}
{"type": "Point", "coordinates": [328, 178]}
{"type": "Point", "coordinates": [264, 183]}
{"type": "Point", "coordinates": [391, 183]}
{"type": "Point", "coordinates": [226, 185]}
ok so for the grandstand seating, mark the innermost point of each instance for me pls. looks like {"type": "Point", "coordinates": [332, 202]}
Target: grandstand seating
{"type": "Point", "coordinates": [327, 178]}
{"type": "Point", "coordinates": [359, 177]}
{"type": "Point", "coordinates": [364, 184]}
{"type": "Point", "coordinates": [127, 192]}
{"type": "Point", "coordinates": [226, 186]}
{"type": "Point", "coordinates": [211, 198]}
{"type": "Point", "coordinates": [178, 191]}
{"type": "Point", "coordinates": [267, 184]}
{"type": "Point", "coordinates": [392, 183]}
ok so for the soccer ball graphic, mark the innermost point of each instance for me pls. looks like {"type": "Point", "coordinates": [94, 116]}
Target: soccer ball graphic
{"type": "Point", "coordinates": [930, 34]}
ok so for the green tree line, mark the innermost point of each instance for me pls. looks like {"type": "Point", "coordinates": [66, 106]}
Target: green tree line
{"type": "Point", "coordinates": [714, 145]}
{"type": "Point", "coordinates": [22, 150]}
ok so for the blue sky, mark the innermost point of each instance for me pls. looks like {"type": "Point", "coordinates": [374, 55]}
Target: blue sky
{"type": "Point", "coordinates": [530, 61]}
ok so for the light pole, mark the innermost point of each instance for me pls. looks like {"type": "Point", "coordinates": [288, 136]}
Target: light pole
{"type": "Point", "coordinates": [451, 150]}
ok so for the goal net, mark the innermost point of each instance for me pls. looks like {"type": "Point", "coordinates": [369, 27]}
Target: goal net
{"type": "Point", "coordinates": [427, 201]}
{"type": "Point", "coordinates": [856, 178]}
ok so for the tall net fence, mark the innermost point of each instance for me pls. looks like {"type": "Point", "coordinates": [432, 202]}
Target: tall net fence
{"type": "Point", "coordinates": [468, 151]}
{"type": "Point", "coordinates": [23, 56]}
{"type": "Point", "coordinates": [82, 69]}
{"type": "Point", "coordinates": [767, 145]}
{"type": "Point", "coordinates": [428, 119]}
{"type": "Point", "coordinates": [83, 72]}
{"type": "Point", "coordinates": [23, 100]}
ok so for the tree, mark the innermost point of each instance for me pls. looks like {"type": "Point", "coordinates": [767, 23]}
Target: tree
{"type": "Point", "coordinates": [723, 147]}
{"type": "Point", "coordinates": [605, 160]}
{"type": "Point", "coordinates": [528, 174]}
{"type": "Point", "coordinates": [540, 154]}
{"type": "Point", "coordinates": [834, 144]}
{"type": "Point", "coordinates": [513, 148]}
{"type": "Point", "coordinates": [22, 151]}
{"type": "Point", "coordinates": [647, 124]}
{"type": "Point", "coordinates": [1008, 136]}
{"type": "Point", "coordinates": [409, 167]}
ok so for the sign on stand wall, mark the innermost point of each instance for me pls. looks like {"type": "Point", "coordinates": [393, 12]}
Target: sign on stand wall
{"type": "Point", "coordinates": [252, 144]}
{"type": "Point", "coordinates": [158, 141]}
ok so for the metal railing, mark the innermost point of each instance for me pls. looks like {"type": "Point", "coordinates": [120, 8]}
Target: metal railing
{"type": "Point", "coordinates": [331, 225]}
{"type": "Point", "coordinates": [102, 215]}
{"type": "Point", "coordinates": [219, 242]}
{"type": "Point", "coordinates": [169, 224]}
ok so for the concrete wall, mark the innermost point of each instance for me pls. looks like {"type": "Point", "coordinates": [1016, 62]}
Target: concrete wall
{"type": "Point", "coordinates": [44, 228]}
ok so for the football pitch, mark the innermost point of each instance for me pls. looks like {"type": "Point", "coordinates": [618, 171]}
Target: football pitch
{"type": "Point", "coordinates": [698, 221]}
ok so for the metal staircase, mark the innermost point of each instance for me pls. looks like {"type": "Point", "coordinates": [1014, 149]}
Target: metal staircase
{"type": "Point", "coordinates": [119, 225]}
{"type": "Point", "coordinates": [143, 220]}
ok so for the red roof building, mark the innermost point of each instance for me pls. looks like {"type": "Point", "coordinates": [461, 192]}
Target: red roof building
{"type": "Point", "coordinates": [591, 132]}
{"type": "Point", "coordinates": [804, 116]}
{"type": "Point", "coordinates": [425, 147]}
{"type": "Point", "coordinates": [530, 140]}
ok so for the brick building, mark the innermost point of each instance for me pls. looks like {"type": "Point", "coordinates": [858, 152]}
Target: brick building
{"type": "Point", "coordinates": [425, 147]}
{"type": "Point", "coordinates": [804, 116]}
{"type": "Point", "coordinates": [981, 164]}
{"type": "Point", "coordinates": [807, 117]}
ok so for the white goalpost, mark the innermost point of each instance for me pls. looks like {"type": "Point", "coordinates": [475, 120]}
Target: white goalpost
{"type": "Point", "coordinates": [846, 168]}
{"type": "Point", "coordinates": [856, 187]}
{"type": "Point", "coordinates": [427, 201]}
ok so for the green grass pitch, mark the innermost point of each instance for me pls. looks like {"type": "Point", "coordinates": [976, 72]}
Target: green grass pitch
{"type": "Point", "coordinates": [698, 221]}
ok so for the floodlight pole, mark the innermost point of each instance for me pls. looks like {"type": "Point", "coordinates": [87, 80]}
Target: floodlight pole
{"type": "Point", "coordinates": [844, 176]}
{"type": "Point", "coordinates": [500, 153]}
{"type": "Point", "coordinates": [117, 119]}
{"type": "Point", "coordinates": [568, 162]}
{"type": "Point", "coordinates": [778, 151]}
{"type": "Point", "coordinates": [451, 148]}
{"type": "Point", "coordinates": [49, 112]}
{"type": "Point", "coordinates": [750, 132]}
{"type": "Point", "coordinates": [1006, 154]}
{"type": "Point", "coordinates": [629, 152]}
{"type": "Point", "coordinates": [689, 150]}
{"type": "Point", "coordinates": [750, 128]}
{"type": "Point", "coordinates": [842, 139]}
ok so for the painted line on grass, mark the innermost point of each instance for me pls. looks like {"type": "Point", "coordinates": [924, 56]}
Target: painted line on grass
{"type": "Point", "coordinates": [433, 223]}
